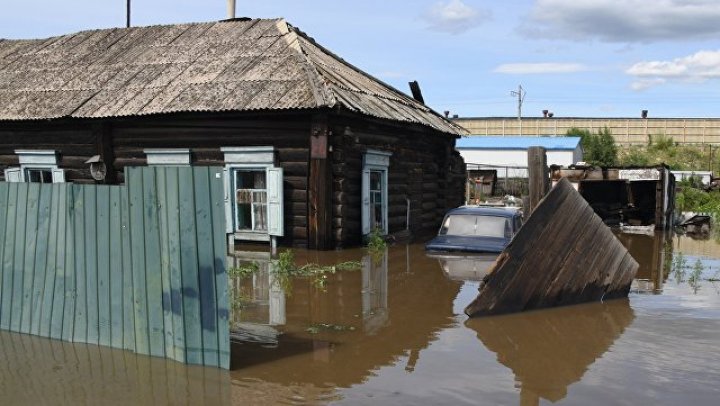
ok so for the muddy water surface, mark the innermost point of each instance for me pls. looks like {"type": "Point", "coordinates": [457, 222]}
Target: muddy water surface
{"type": "Point", "coordinates": [393, 332]}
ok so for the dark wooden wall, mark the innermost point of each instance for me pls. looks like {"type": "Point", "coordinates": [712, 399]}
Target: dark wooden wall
{"type": "Point", "coordinates": [121, 143]}
{"type": "Point", "coordinates": [424, 166]}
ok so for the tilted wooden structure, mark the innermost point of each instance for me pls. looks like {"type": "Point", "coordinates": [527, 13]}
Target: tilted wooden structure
{"type": "Point", "coordinates": [563, 255]}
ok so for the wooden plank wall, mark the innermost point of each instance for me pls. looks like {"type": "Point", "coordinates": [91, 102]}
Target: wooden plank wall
{"type": "Point", "coordinates": [140, 267]}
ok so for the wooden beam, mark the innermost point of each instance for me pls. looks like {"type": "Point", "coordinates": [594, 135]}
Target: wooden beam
{"type": "Point", "coordinates": [104, 147]}
{"type": "Point", "coordinates": [319, 186]}
{"type": "Point", "coordinates": [538, 176]}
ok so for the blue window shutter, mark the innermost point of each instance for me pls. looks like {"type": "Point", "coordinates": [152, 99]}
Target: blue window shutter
{"type": "Point", "coordinates": [365, 209]}
{"type": "Point", "coordinates": [276, 216]}
{"type": "Point", "coordinates": [229, 227]}
{"type": "Point", "coordinates": [58, 175]}
{"type": "Point", "coordinates": [13, 175]}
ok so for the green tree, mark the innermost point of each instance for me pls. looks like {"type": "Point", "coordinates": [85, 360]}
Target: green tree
{"type": "Point", "coordinates": [599, 148]}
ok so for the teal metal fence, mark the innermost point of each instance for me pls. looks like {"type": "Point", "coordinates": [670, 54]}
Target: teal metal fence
{"type": "Point", "coordinates": [139, 267]}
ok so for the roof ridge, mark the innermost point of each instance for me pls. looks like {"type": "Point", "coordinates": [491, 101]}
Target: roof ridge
{"type": "Point", "coordinates": [403, 97]}
{"type": "Point", "coordinates": [324, 96]}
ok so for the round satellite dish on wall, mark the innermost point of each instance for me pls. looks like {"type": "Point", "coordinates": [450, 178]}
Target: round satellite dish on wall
{"type": "Point", "coordinates": [98, 170]}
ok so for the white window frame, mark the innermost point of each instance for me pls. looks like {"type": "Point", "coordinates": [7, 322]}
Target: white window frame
{"type": "Point", "coordinates": [374, 161]}
{"type": "Point", "coordinates": [249, 159]}
{"type": "Point", "coordinates": [168, 156]}
{"type": "Point", "coordinates": [35, 160]}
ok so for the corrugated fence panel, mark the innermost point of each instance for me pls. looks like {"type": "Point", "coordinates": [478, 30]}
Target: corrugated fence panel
{"type": "Point", "coordinates": [139, 267]}
{"type": "Point", "coordinates": [189, 272]}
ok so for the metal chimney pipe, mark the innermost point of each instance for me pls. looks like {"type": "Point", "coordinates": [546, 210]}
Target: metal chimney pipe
{"type": "Point", "coordinates": [231, 9]}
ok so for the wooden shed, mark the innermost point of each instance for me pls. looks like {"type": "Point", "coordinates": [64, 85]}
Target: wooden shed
{"type": "Point", "coordinates": [316, 152]}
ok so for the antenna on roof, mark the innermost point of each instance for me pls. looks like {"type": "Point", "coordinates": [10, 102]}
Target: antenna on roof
{"type": "Point", "coordinates": [127, 21]}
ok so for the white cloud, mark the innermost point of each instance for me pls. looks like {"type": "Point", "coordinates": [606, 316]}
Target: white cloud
{"type": "Point", "coordinates": [623, 20]}
{"type": "Point", "coordinates": [539, 68]}
{"type": "Point", "coordinates": [698, 67]}
{"type": "Point", "coordinates": [642, 84]}
{"type": "Point", "coordinates": [455, 17]}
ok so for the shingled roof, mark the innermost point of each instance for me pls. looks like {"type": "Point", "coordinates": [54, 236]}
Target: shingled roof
{"type": "Point", "coordinates": [238, 65]}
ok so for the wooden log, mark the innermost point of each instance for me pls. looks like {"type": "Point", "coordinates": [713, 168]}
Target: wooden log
{"type": "Point", "coordinates": [538, 179]}
{"type": "Point", "coordinates": [564, 254]}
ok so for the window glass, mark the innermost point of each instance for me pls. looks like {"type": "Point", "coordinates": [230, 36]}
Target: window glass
{"type": "Point", "coordinates": [476, 226]}
{"type": "Point", "coordinates": [38, 175]}
{"type": "Point", "coordinates": [376, 200]}
{"type": "Point", "coordinates": [250, 200]}
{"type": "Point", "coordinates": [376, 180]}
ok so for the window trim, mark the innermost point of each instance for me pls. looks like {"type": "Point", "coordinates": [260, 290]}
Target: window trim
{"type": "Point", "coordinates": [37, 159]}
{"type": "Point", "coordinates": [253, 158]}
{"type": "Point", "coordinates": [167, 156]}
{"type": "Point", "coordinates": [375, 161]}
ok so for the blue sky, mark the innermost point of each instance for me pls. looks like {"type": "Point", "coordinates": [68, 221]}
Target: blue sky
{"type": "Point", "coordinates": [592, 58]}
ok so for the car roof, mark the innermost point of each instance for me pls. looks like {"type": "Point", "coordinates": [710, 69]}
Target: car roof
{"type": "Point", "coordinates": [485, 211]}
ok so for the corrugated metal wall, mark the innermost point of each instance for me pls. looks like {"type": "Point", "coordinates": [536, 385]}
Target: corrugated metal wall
{"type": "Point", "coordinates": [139, 267]}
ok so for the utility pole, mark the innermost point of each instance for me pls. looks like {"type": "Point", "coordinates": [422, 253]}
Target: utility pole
{"type": "Point", "coordinates": [127, 22]}
{"type": "Point", "coordinates": [520, 93]}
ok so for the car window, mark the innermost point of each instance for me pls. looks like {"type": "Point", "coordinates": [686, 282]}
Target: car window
{"type": "Point", "coordinates": [476, 226]}
{"type": "Point", "coordinates": [518, 223]}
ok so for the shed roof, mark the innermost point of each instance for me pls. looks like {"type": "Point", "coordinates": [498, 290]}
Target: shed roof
{"type": "Point", "coordinates": [518, 143]}
{"type": "Point", "coordinates": [236, 65]}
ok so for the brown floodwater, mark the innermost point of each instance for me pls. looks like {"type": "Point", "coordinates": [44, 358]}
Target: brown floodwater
{"type": "Point", "coordinates": [393, 332]}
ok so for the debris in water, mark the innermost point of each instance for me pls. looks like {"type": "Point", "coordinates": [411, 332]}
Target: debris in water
{"type": "Point", "coordinates": [564, 254]}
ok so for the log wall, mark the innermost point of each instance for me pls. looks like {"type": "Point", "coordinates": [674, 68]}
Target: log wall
{"type": "Point", "coordinates": [424, 166]}
{"type": "Point", "coordinates": [121, 143]}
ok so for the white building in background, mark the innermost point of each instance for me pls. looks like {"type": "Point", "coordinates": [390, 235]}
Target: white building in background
{"type": "Point", "coordinates": [508, 155]}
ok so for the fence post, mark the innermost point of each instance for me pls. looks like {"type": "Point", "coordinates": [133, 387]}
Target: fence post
{"type": "Point", "coordinates": [538, 180]}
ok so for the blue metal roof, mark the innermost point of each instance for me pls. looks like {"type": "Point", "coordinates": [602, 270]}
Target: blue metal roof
{"type": "Point", "coordinates": [513, 142]}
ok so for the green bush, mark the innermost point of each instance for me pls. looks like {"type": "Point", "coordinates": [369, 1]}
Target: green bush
{"type": "Point", "coordinates": [598, 149]}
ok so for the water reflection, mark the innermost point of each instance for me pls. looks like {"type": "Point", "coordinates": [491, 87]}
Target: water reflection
{"type": "Point", "coordinates": [388, 334]}
{"type": "Point", "coordinates": [375, 292]}
{"type": "Point", "coordinates": [393, 307]}
{"type": "Point", "coordinates": [36, 370]}
{"type": "Point", "coordinates": [461, 267]}
{"type": "Point", "coordinates": [654, 255]}
{"type": "Point", "coordinates": [548, 350]}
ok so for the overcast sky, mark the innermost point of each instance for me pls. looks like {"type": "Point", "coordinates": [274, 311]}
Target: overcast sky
{"type": "Point", "coordinates": [596, 58]}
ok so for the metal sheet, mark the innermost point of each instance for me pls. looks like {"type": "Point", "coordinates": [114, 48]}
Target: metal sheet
{"type": "Point", "coordinates": [139, 267]}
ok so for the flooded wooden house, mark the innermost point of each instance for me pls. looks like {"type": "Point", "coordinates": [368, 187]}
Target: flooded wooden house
{"type": "Point", "coordinates": [633, 196]}
{"type": "Point", "coordinates": [316, 152]}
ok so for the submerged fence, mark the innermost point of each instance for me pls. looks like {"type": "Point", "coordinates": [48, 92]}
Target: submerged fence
{"type": "Point", "coordinates": [139, 267]}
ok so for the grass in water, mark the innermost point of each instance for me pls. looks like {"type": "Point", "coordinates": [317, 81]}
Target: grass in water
{"type": "Point", "coordinates": [694, 278]}
{"type": "Point", "coordinates": [679, 265]}
{"type": "Point", "coordinates": [283, 270]}
{"type": "Point", "coordinates": [375, 241]}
